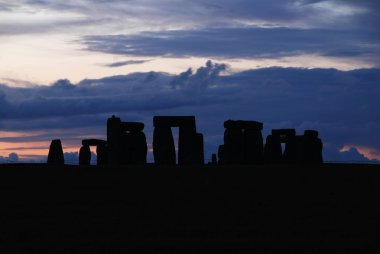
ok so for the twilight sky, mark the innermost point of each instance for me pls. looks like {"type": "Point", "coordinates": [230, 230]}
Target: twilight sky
{"type": "Point", "coordinates": [66, 66]}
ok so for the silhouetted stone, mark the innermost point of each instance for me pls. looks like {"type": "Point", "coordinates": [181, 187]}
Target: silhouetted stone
{"type": "Point", "coordinates": [291, 151]}
{"type": "Point", "coordinates": [132, 126]}
{"type": "Point", "coordinates": [311, 133]}
{"type": "Point", "coordinates": [126, 143]}
{"type": "Point", "coordinates": [114, 132]}
{"type": "Point", "coordinates": [243, 142]}
{"type": "Point", "coordinates": [136, 148]}
{"type": "Point", "coordinates": [273, 150]}
{"type": "Point", "coordinates": [84, 155]}
{"type": "Point", "coordinates": [101, 154]}
{"type": "Point", "coordinates": [190, 143]}
{"type": "Point", "coordinates": [213, 159]}
{"type": "Point", "coordinates": [199, 150]}
{"type": "Point", "coordinates": [284, 132]}
{"type": "Point", "coordinates": [190, 146]}
{"type": "Point", "coordinates": [253, 146]}
{"type": "Point", "coordinates": [288, 137]}
{"type": "Point", "coordinates": [174, 121]}
{"type": "Point", "coordinates": [93, 142]}
{"type": "Point", "coordinates": [233, 146]}
{"type": "Point", "coordinates": [101, 151]}
{"type": "Point", "coordinates": [55, 156]}
{"type": "Point", "coordinates": [221, 154]}
{"type": "Point", "coordinates": [311, 148]}
{"type": "Point", "coordinates": [239, 124]}
{"type": "Point", "coordinates": [163, 146]}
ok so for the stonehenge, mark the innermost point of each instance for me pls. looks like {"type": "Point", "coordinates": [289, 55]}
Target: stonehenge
{"type": "Point", "coordinates": [190, 143]}
{"type": "Point", "coordinates": [243, 143]}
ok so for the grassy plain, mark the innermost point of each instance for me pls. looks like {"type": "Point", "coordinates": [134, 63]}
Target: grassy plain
{"type": "Point", "coordinates": [190, 209]}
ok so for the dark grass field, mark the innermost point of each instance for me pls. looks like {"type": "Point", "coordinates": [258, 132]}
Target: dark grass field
{"type": "Point", "coordinates": [208, 209]}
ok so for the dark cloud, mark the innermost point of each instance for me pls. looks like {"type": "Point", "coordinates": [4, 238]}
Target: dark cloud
{"type": "Point", "coordinates": [128, 62]}
{"type": "Point", "coordinates": [342, 105]}
{"type": "Point", "coordinates": [120, 15]}
{"type": "Point", "coordinates": [249, 42]}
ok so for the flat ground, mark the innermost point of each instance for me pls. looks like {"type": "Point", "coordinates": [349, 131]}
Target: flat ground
{"type": "Point", "coordinates": [234, 209]}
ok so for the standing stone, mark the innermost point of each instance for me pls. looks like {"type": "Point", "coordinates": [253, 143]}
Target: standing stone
{"type": "Point", "coordinates": [137, 148]}
{"type": "Point", "coordinates": [273, 150]}
{"type": "Point", "coordinates": [253, 146]}
{"type": "Point", "coordinates": [291, 150]}
{"type": "Point", "coordinates": [199, 149]}
{"type": "Point", "coordinates": [213, 159]}
{"type": "Point", "coordinates": [84, 156]}
{"type": "Point", "coordinates": [311, 148]}
{"type": "Point", "coordinates": [221, 155]}
{"type": "Point", "coordinates": [190, 143]}
{"type": "Point", "coordinates": [55, 156]}
{"type": "Point", "coordinates": [243, 142]}
{"type": "Point", "coordinates": [114, 140]}
{"type": "Point", "coordinates": [189, 146]}
{"type": "Point", "coordinates": [233, 145]}
{"type": "Point", "coordinates": [101, 154]}
{"type": "Point", "coordinates": [163, 146]}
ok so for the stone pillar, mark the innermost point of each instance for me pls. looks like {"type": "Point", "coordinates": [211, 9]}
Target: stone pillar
{"type": "Point", "coordinates": [190, 147]}
{"type": "Point", "coordinates": [233, 146]}
{"type": "Point", "coordinates": [253, 146]}
{"type": "Point", "coordinates": [291, 150]}
{"type": "Point", "coordinates": [163, 146]}
{"type": "Point", "coordinates": [273, 150]}
{"type": "Point", "coordinates": [84, 156]}
{"type": "Point", "coordinates": [114, 139]}
{"type": "Point", "coordinates": [311, 148]}
{"type": "Point", "coordinates": [199, 150]}
{"type": "Point", "coordinates": [137, 148]}
{"type": "Point", "coordinates": [213, 159]}
{"type": "Point", "coordinates": [125, 144]}
{"type": "Point", "coordinates": [101, 154]}
{"type": "Point", "coordinates": [221, 155]}
{"type": "Point", "coordinates": [55, 156]}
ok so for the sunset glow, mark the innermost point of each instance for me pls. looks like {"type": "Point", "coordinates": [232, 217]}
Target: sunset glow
{"type": "Point", "coordinates": [370, 153]}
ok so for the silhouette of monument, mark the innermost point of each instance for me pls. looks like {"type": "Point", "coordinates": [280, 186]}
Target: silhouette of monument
{"type": "Point", "coordinates": [84, 155]}
{"type": "Point", "coordinates": [273, 150]}
{"type": "Point", "coordinates": [310, 148]}
{"type": "Point", "coordinates": [190, 143]}
{"type": "Point", "coordinates": [126, 143]}
{"type": "Point", "coordinates": [55, 156]}
{"type": "Point", "coordinates": [298, 149]}
{"type": "Point", "coordinates": [243, 143]}
{"type": "Point", "coordinates": [85, 152]}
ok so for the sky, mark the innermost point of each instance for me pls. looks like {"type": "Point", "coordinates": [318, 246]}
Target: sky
{"type": "Point", "coordinates": [66, 66]}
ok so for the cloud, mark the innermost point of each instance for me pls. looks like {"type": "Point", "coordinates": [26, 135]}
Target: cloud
{"type": "Point", "coordinates": [248, 42]}
{"type": "Point", "coordinates": [128, 62]}
{"type": "Point", "coordinates": [12, 158]}
{"type": "Point", "coordinates": [150, 15]}
{"type": "Point", "coordinates": [352, 155]}
{"type": "Point", "coordinates": [342, 105]}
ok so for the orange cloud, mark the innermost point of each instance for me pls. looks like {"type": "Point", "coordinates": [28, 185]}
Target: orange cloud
{"type": "Point", "coordinates": [370, 153]}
